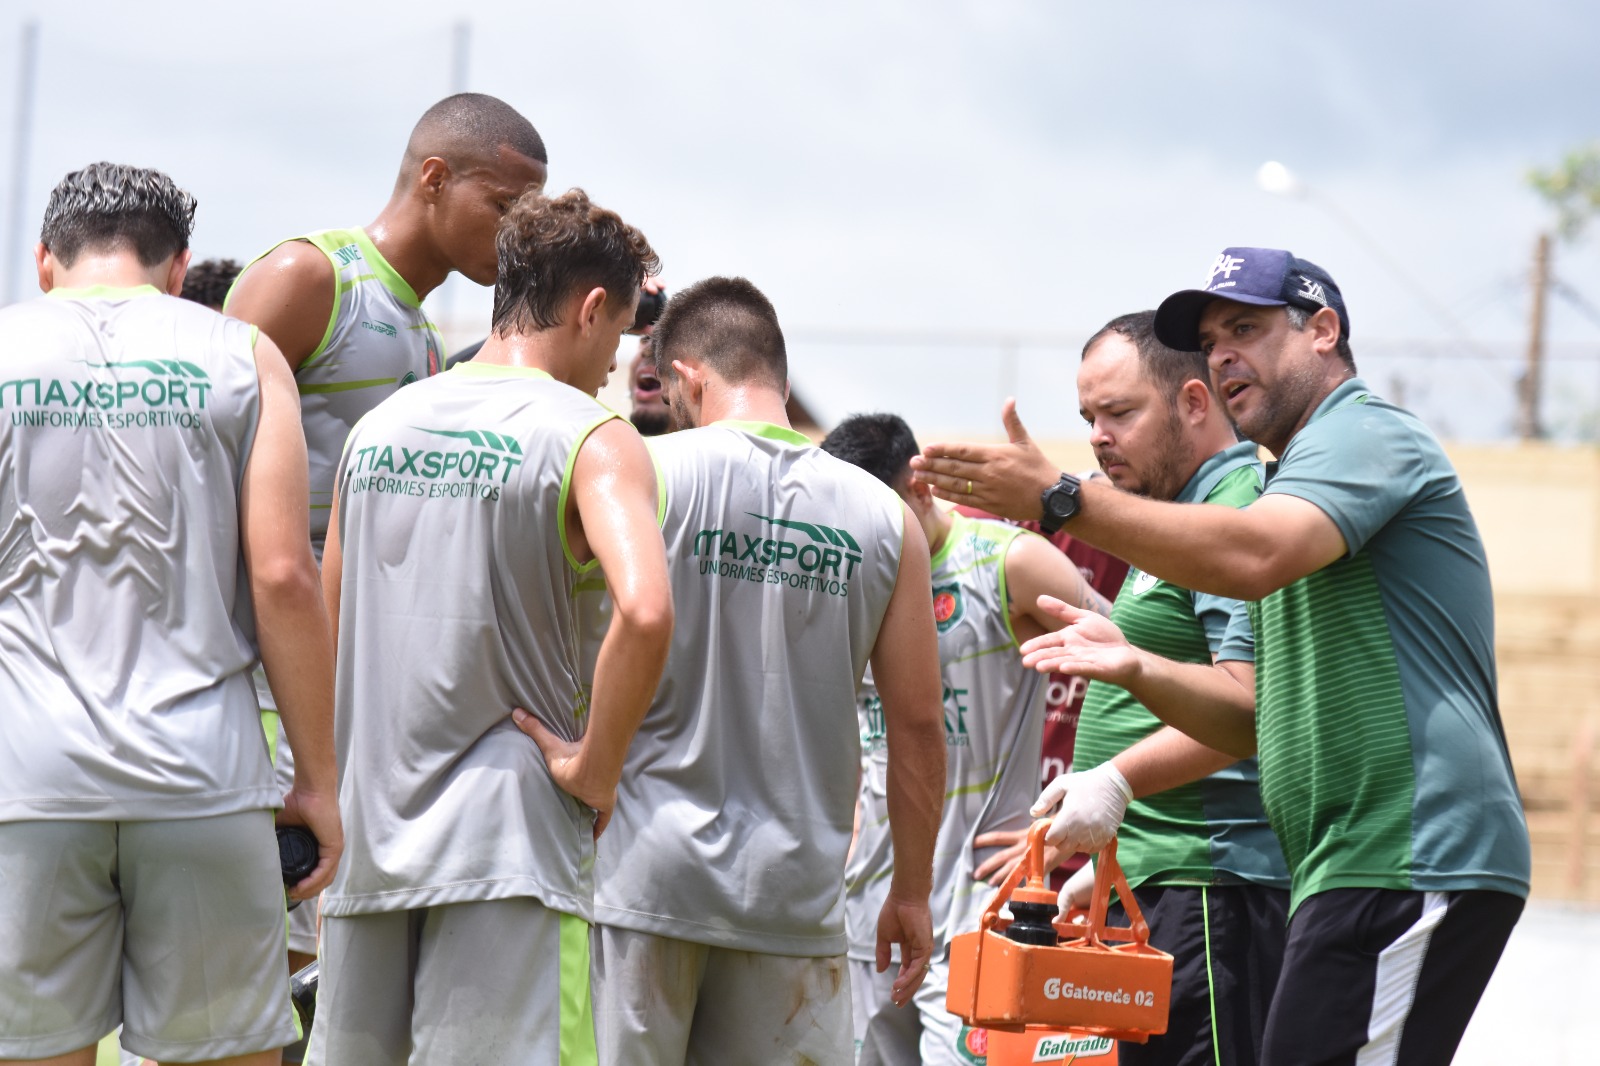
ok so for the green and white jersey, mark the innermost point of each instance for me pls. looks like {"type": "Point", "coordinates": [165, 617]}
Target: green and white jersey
{"type": "Point", "coordinates": [1209, 832]}
{"type": "Point", "coordinates": [993, 727]}
{"type": "Point", "coordinates": [734, 812]}
{"type": "Point", "coordinates": [1383, 758]}
{"type": "Point", "coordinates": [126, 632]}
{"type": "Point", "coordinates": [377, 339]}
{"type": "Point", "coordinates": [456, 605]}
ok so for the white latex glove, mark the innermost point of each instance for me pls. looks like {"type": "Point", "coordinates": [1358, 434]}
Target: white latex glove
{"type": "Point", "coordinates": [1075, 894]}
{"type": "Point", "coordinates": [1092, 805]}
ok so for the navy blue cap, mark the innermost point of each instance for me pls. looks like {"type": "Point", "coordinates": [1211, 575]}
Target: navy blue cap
{"type": "Point", "coordinates": [1267, 277]}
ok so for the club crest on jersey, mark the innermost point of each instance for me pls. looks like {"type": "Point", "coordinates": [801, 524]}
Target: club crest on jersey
{"type": "Point", "coordinates": [948, 606]}
{"type": "Point", "coordinates": [973, 1045]}
{"type": "Point", "coordinates": [1142, 582]}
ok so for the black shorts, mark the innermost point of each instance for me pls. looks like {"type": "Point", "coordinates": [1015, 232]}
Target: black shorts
{"type": "Point", "coordinates": [1380, 976]}
{"type": "Point", "coordinates": [1226, 944]}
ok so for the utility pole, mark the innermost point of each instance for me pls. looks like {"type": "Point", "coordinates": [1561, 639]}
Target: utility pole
{"type": "Point", "coordinates": [460, 56]}
{"type": "Point", "coordinates": [1528, 424]}
{"type": "Point", "coordinates": [21, 137]}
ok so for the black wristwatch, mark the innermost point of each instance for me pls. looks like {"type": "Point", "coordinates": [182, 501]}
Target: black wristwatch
{"type": "Point", "coordinates": [1061, 502]}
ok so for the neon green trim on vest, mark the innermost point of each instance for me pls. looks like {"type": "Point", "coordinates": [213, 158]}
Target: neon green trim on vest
{"type": "Point", "coordinates": [765, 429]}
{"type": "Point", "coordinates": [343, 386]}
{"type": "Point", "coordinates": [387, 274]}
{"type": "Point", "coordinates": [566, 485]}
{"type": "Point", "coordinates": [270, 726]}
{"type": "Point", "coordinates": [498, 370]}
{"type": "Point", "coordinates": [956, 522]}
{"type": "Point", "coordinates": [104, 292]}
{"type": "Point", "coordinates": [346, 286]}
{"type": "Point", "coordinates": [577, 1008]}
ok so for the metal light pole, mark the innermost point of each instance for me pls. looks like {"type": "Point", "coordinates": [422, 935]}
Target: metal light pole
{"type": "Point", "coordinates": [1276, 178]}
{"type": "Point", "coordinates": [21, 139]}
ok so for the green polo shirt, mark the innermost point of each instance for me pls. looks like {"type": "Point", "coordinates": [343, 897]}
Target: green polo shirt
{"type": "Point", "coordinates": [1383, 758]}
{"type": "Point", "coordinates": [1209, 832]}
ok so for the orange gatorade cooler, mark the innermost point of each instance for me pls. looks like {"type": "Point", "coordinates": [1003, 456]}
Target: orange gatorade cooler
{"type": "Point", "coordinates": [1056, 989]}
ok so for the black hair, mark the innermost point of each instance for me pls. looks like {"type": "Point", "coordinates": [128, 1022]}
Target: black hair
{"type": "Point", "coordinates": [1299, 316]}
{"type": "Point", "coordinates": [209, 280]}
{"type": "Point", "coordinates": [1167, 367]}
{"type": "Point", "coordinates": [112, 205]}
{"type": "Point", "coordinates": [470, 128]}
{"type": "Point", "coordinates": [880, 444]}
{"type": "Point", "coordinates": [551, 247]}
{"type": "Point", "coordinates": [727, 324]}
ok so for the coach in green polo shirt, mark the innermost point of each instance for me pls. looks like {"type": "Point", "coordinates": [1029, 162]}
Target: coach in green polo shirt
{"type": "Point", "coordinates": [1384, 767]}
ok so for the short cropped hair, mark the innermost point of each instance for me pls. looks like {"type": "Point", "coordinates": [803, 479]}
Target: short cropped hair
{"type": "Point", "coordinates": [469, 129]}
{"type": "Point", "coordinates": [552, 247]}
{"type": "Point", "coordinates": [209, 280]}
{"type": "Point", "coordinates": [1167, 368]}
{"type": "Point", "coordinates": [880, 444]}
{"type": "Point", "coordinates": [727, 324]}
{"type": "Point", "coordinates": [1299, 317]}
{"type": "Point", "coordinates": [109, 206]}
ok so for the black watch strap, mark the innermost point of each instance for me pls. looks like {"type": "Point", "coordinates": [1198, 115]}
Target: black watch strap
{"type": "Point", "coordinates": [1059, 502]}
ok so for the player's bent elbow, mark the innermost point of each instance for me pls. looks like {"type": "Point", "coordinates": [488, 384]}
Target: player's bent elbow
{"type": "Point", "coordinates": [285, 580]}
{"type": "Point", "coordinates": [647, 618]}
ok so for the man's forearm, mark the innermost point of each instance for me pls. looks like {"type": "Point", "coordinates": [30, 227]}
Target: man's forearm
{"type": "Point", "coordinates": [297, 655]}
{"type": "Point", "coordinates": [915, 792]}
{"type": "Point", "coordinates": [627, 672]}
{"type": "Point", "coordinates": [1167, 759]}
{"type": "Point", "coordinates": [1204, 547]}
{"type": "Point", "coordinates": [1200, 700]}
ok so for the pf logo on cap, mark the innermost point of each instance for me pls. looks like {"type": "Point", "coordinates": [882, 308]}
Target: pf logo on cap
{"type": "Point", "coordinates": [1225, 265]}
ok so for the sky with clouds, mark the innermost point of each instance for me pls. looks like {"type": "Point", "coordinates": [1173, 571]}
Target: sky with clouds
{"type": "Point", "coordinates": [942, 199]}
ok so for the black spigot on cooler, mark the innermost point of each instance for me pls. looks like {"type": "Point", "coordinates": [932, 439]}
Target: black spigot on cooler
{"type": "Point", "coordinates": [297, 855]}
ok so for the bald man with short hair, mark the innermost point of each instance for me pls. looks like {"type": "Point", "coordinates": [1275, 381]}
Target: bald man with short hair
{"type": "Point", "coordinates": [345, 305]}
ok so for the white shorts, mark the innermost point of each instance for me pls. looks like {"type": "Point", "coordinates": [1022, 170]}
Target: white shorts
{"type": "Point", "coordinates": [666, 1002]}
{"type": "Point", "coordinates": [922, 1033]}
{"type": "Point", "coordinates": [500, 981]}
{"type": "Point", "coordinates": [174, 929]}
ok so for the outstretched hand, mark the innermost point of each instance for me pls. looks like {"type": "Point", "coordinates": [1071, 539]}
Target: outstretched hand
{"type": "Point", "coordinates": [564, 759]}
{"type": "Point", "coordinates": [1003, 479]}
{"type": "Point", "coordinates": [1089, 645]}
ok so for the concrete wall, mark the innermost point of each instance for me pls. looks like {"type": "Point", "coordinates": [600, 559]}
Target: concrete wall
{"type": "Point", "coordinates": [1538, 508]}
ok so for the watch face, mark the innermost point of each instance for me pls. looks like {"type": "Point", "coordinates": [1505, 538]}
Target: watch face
{"type": "Point", "coordinates": [1063, 502]}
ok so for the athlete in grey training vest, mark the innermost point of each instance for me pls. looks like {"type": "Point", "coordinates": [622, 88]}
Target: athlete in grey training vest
{"type": "Point", "coordinates": [469, 506]}
{"type": "Point", "coordinates": [719, 889]}
{"type": "Point", "coordinates": [345, 305]}
{"type": "Point", "coordinates": [152, 475]}
{"type": "Point", "coordinates": [987, 578]}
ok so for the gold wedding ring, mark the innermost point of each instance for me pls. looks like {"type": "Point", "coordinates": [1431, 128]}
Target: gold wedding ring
{"type": "Point", "coordinates": [969, 486]}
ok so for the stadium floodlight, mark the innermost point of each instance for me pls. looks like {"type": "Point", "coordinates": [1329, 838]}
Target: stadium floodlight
{"type": "Point", "coordinates": [1278, 179]}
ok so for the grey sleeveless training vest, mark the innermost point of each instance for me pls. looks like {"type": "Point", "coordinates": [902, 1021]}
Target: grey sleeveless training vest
{"type": "Point", "coordinates": [457, 605]}
{"type": "Point", "coordinates": [126, 630]}
{"type": "Point", "coordinates": [734, 812]}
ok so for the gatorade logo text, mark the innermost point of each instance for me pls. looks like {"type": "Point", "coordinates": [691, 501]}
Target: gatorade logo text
{"type": "Point", "coordinates": [140, 392]}
{"type": "Point", "coordinates": [1066, 1048]}
{"type": "Point", "coordinates": [477, 470]}
{"type": "Point", "coordinates": [1055, 988]}
{"type": "Point", "coordinates": [825, 563]}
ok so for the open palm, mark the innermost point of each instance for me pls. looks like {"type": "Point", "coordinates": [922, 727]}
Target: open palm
{"type": "Point", "coordinates": [1087, 646]}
